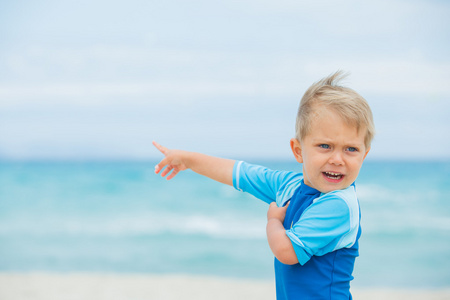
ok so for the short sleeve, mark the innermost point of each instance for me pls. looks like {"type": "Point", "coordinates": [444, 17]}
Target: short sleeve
{"type": "Point", "coordinates": [259, 181]}
{"type": "Point", "coordinates": [325, 226]}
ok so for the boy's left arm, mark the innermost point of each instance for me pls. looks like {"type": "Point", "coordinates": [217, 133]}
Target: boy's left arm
{"type": "Point", "coordinates": [279, 242]}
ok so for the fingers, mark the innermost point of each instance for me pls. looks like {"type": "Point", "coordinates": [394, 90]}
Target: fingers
{"type": "Point", "coordinates": [160, 148]}
{"type": "Point", "coordinates": [161, 165]}
{"type": "Point", "coordinates": [167, 170]}
{"type": "Point", "coordinates": [172, 175]}
{"type": "Point", "coordinates": [165, 162]}
{"type": "Point", "coordinates": [272, 205]}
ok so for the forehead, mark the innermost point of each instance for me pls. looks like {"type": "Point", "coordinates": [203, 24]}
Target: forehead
{"type": "Point", "coordinates": [328, 124]}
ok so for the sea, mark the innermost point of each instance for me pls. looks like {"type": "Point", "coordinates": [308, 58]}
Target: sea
{"type": "Point", "coordinates": [120, 217]}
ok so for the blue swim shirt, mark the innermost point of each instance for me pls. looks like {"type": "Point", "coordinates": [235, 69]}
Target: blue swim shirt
{"type": "Point", "coordinates": [324, 230]}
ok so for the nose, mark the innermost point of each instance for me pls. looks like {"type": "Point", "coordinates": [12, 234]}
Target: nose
{"type": "Point", "coordinates": [336, 158]}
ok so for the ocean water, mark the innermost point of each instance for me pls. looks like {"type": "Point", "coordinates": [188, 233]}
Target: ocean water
{"type": "Point", "coordinates": [121, 217]}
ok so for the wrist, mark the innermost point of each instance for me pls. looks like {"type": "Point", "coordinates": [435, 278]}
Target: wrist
{"type": "Point", "coordinates": [189, 159]}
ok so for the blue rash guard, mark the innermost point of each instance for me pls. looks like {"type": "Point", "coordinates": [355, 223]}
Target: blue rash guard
{"type": "Point", "coordinates": [324, 230]}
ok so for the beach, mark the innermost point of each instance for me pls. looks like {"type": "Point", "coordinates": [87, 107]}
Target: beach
{"type": "Point", "coordinates": [114, 286]}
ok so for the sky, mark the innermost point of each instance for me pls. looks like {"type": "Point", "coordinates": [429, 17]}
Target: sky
{"type": "Point", "coordinates": [99, 80]}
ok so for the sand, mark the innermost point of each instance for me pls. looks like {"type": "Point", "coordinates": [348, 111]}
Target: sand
{"type": "Point", "coordinates": [87, 286]}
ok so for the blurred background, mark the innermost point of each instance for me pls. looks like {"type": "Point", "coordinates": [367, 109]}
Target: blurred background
{"type": "Point", "coordinates": [85, 86]}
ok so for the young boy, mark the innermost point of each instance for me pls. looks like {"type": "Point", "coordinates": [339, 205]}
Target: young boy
{"type": "Point", "coordinates": [313, 221]}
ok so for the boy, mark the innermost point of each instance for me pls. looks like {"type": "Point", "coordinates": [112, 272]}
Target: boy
{"type": "Point", "coordinates": [313, 221]}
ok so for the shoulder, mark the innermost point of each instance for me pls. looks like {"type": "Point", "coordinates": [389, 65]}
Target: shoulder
{"type": "Point", "coordinates": [330, 223]}
{"type": "Point", "coordinates": [343, 202]}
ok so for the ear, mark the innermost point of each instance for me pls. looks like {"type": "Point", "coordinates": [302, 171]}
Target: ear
{"type": "Point", "coordinates": [296, 148]}
{"type": "Point", "coordinates": [367, 152]}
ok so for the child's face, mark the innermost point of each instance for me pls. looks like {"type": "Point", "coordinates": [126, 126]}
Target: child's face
{"type": "Point", "coordinates": [332, 153]}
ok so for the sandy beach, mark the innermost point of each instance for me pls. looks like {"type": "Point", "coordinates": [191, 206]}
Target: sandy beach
{"type": "Point", "coordinates": [65, 286]}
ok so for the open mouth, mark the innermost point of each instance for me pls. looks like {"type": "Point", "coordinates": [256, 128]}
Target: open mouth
{"type": "Point", "coordinates": [333, 176]}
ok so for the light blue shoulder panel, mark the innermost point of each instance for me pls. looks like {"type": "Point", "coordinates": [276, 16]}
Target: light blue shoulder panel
{"type": "Point", "coordinates": [265, 184]}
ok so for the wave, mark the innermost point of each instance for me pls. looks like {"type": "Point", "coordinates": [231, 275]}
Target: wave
{"type": "Point", "coordinates": [136, 225]}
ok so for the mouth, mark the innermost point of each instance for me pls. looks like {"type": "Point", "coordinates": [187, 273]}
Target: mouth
{"type": "Point", "coordinates": [333, 177]}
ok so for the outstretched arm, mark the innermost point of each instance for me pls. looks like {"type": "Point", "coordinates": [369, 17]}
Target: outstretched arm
{"type": "Point", "coordinates": [279, 242]}
{"type": "Point", "coordinates": [218, 169]}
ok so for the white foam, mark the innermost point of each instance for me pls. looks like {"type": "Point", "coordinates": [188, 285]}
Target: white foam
{"type": "Point", "coordinates": [137, 224]}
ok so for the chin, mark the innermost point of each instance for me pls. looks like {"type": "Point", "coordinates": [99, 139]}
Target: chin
{"type": "Point", "coordinates": [329, 188]}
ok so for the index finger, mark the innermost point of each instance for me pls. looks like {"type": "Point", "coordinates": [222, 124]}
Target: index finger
{"type": "Point", "coordinates": [160, 147]}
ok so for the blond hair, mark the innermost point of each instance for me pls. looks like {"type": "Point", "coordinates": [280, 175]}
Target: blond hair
{"type": "Point", "coordinates": [347, 103]}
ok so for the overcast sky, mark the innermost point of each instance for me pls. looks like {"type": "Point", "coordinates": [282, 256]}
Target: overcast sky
{"type": "Point", "coordinates": [102, 79]}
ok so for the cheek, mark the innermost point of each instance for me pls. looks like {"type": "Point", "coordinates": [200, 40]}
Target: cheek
{"type": "Point", "coordinates": [318, 159]}
{"type": "Point", "coordinates": [355, 166]}
{"type": "Point", "coordinates": [314, 164]}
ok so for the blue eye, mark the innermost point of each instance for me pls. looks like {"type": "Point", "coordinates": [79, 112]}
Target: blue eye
{"type": "Point", "coordinates": [324, 146]}
{"type": "Point", "coordinates": [352, 149]}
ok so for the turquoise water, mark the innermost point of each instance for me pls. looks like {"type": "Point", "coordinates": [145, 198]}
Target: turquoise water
{"type": "Point", "coordinates": [121, 217]}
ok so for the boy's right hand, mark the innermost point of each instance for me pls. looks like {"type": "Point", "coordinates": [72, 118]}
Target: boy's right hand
{"type": "Point", "coordinates": [218, 169]}
{"type": "Point", "coordinates": [175, 160]}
